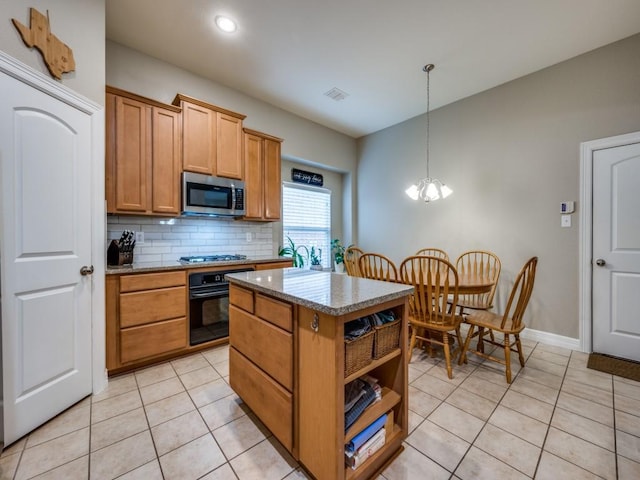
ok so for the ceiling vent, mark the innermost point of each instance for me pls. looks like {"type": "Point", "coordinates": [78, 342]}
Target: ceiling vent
{"type": "Point", "coordinates": [336, 94]}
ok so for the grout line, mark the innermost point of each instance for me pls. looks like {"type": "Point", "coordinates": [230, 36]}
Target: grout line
{"type": "Point", "coordinates": [615, 430]}
{"type": "Point", "coordinates": [498, 403]}
{"type": "Point", "coordinates": [546, 435]}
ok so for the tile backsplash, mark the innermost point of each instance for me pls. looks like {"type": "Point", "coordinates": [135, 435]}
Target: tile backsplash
{"type": "Point", "coordinates": [167, 239]}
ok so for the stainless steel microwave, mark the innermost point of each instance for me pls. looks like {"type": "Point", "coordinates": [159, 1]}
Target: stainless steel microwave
{"type": "Point", "coordinates": [212, 196]}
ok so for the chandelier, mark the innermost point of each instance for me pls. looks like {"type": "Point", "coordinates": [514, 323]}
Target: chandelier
{"type": "Point", "coordinates": [428, 189]}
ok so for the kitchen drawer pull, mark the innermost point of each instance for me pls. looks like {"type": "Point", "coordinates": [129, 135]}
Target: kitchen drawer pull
{"type": "Point", "coordinates": [315, 324]}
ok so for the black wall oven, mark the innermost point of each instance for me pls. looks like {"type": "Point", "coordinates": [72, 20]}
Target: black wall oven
{"type": "Point", "coordinates": [209, 305]}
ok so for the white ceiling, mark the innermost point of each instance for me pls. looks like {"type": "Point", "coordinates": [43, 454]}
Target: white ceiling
{"type": "Point", "coordinates": [290, 52]}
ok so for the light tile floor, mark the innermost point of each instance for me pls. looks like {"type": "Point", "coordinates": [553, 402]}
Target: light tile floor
{"type": "Point", "coordinates": [181, 420]}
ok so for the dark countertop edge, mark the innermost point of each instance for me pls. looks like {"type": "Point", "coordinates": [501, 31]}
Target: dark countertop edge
{"type": "Point", "coordinates": [154, 267]}
{"type": "Point", "coordinates": [333, 311]}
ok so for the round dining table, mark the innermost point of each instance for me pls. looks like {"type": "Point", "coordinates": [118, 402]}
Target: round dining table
{"type": "Point", "coordinates": [474, 284]}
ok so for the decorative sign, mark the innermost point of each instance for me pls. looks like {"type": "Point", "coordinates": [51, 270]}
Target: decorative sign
{"type": "Point", "coordinates": [57, 55]}
{"type": "Point", "coordinates": [310, 178]}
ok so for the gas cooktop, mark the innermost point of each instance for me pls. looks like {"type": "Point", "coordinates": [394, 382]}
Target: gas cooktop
{"type": "Point", "coordinates": [211, 258]}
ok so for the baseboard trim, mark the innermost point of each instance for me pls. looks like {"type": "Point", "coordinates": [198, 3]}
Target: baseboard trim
{"type": "Point", "coordinates": [551, 339]}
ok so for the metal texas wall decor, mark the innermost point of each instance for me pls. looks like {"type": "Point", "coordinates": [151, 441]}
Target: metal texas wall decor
{"type": "Point", "coordinates": [57, 55]}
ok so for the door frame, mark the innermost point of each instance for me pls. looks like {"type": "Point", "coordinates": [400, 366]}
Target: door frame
{"type": "Point", "coordinates": [585, 293]}
{"type": "Point", "coordinates": [39, 81]}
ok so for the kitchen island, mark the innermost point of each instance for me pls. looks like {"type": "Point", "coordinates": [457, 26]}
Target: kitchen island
{"type": "Point", "coordinates": [290, 364]}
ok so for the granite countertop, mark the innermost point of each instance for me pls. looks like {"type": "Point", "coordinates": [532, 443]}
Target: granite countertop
{"type": "Point", "coordinates": [175, 265]}
{"type": "Point", "coordinates": [331, 293]}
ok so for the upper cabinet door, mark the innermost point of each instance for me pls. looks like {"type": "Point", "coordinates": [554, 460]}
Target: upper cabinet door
{"type": "Point", "coordinates": [253, 198]}
{"type": "Point", "coordinates": [272, 179]}
{"type": "Point", "coordinates": [262, 164]}
{"type": "Point", "coordinates": [199, 127]}
{"type": "Point", "coordinates": [132, 154]}
{"type": "Point", "coordinates": [229, 149]}
{"type": "Point", "coordinates": [165, 193]}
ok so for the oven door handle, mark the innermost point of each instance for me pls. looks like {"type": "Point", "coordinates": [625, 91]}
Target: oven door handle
{"type": "Point", "coordinates": [224, 293]}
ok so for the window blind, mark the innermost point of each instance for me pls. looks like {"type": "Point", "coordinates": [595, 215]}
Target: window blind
{"type": "Point", "coordinates": [306, 219]}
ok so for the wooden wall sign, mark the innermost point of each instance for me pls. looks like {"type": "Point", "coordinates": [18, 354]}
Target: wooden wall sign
{"type": "Point", "coordinates": [310, 178]}
{"type": "Point", "coordinates": [57, 55]}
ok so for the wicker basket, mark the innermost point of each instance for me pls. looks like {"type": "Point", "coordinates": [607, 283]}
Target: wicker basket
{"type": "Point", "coordinates": [387, 338]}
{"type": "Point", "coordinates": [357, 353]}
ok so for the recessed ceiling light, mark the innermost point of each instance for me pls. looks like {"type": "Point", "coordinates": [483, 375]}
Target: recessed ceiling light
{"type": "Point", "coordinates": [226, 24]}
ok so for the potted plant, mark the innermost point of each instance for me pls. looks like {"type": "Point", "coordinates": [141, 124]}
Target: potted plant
{"type": "Point", "coordinates": [338, 254]}
{"type": "Point", "coordinates": [293, 251]}
{"type": "Point", "coordinates": [316, 260]}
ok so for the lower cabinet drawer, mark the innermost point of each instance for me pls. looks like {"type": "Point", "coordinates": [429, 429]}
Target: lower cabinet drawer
{"type": "Point", "coordinates": [137, 343]}
{"type": "Point", "coordinates": [264, 344]}
{"type": "Point", "coordinates": [278, 313]}
{"type": "Point", "coordinates": [149, 281]}
{"type": "Point", "coordinates": [241, 297]}
{"type": "Point", "coordinates": [268, 400]}
{"type": "Point", "coordinates": [138, 308]}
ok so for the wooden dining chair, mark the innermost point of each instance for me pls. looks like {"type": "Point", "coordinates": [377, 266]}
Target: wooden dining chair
{"type": "Point", "coordinates": [351, 257]}
{"type": "Point", "coordinates": [483, 264]}
{"type": "Point", "coordinates": [377, 267]}
{"type": "Point", "coordinates": [433, 252]}
{"type": "Point", "coordinates": [435, 282]}
{"type": "Point", "coordinates": [509, 323]}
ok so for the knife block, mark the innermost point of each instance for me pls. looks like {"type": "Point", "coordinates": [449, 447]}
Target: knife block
{"type": "Point", "coordinates": [117, 257]}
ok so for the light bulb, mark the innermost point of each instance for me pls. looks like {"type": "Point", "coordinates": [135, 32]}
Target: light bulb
{"type": "Point", "coordinates": [412, 192]}
{"type": "Point", "coordinates": [226, 24]}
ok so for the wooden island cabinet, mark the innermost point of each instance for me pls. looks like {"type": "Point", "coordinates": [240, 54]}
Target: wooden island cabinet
{"type": "Point", "coordinates": [287, 362]}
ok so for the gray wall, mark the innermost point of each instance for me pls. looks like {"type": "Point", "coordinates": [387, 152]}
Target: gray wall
{"type": "Point", "coordinates": [78, 23]}
{"type": "Point", "coordinates": [511, 155]}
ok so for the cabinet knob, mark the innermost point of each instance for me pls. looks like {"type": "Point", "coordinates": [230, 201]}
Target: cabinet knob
{"type": "Point", "coordinates": [315, 323]}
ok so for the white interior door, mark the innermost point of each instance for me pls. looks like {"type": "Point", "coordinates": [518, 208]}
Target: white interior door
{"type": "Point", "coordinates": [616, 251]}
{"type": "Point", "coordinates": [45, 155]}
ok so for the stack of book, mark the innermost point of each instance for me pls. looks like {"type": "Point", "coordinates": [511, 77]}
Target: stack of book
{"type": "Point", "coordinates": [358, 395]}
{"type": "Point", "coordinates": [366, 443]}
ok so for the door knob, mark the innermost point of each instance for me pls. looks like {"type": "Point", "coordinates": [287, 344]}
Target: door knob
{"type": "Point", "coordinates": [600, 262]}
{"type": "Point", "coordinates": [86, 270]}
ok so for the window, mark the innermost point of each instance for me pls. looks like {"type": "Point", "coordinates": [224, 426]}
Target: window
{"type": "Point", "coordinates": [306, 218]}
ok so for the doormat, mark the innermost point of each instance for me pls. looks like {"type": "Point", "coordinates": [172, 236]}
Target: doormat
{"type": "Point", "coordinates": [614, 365]}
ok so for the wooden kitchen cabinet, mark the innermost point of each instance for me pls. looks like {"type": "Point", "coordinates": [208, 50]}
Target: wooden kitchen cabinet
{"type": "Point", "coordinates": [147, 313]}
{"type": "Point", "coordinates": [211, 139]}
{"type": "Point", "coordinates": [269, 266]}
{"type": "Point", "coordinates": [262, 166]}
{"type": "Point", "coordinates": [142, 155]}
{"type": "Point", "coordinates": [146, 317]}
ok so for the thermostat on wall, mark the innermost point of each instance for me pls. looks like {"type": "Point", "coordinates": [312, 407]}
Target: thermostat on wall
{"type": "Point", "coordinates": [567, 207]}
